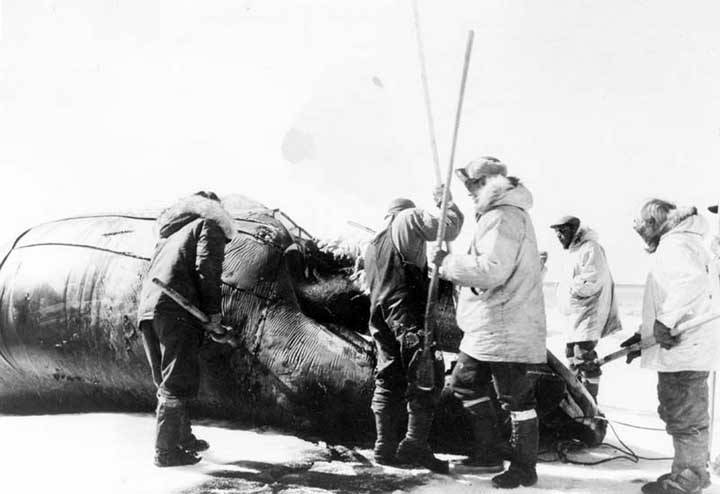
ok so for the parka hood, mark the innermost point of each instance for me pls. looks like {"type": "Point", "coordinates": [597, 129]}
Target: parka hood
{"type": "Point", "coordinates": [191, 208]}
{"type": "Point", "coordinates": [685, 220]}
{"type": "Point", "coordinates": [584, 234]}
{"type": "Point", "coordinates": [503, 191]}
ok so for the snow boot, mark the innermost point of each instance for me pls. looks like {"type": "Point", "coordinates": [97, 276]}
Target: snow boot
{"type": "Point", "coordinates": [684, 482]}
{"type": "Point", "coordinates": [414, 449]}
{"type": "Point", "coordinates": [175, 458]}
{"type": "Point", "coordinates": [386, 441]}
{"type": "Point", "coordinates": [487, 455]}
{"type": "Point", "coordinates": [167, 434]}
{"type": "Point", "coordinates": [188, 441]}
{"type": "Point", "coordinates": [524, 442]}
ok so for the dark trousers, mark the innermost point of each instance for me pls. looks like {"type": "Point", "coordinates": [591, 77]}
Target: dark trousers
{"type": "Point", "coordinates": [393, 383]}
{"type": "Point", "coordinates": [172, 345]}
{"type": "Point", "coordinates": [583, 362]}
{"type": "Point", "coordinates": [683, 407]}
{"type": "Point", "coordinates": [514, 386]}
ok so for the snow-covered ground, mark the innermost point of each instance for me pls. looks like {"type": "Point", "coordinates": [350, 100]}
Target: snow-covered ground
{"type": "Point", "coordinates": [112, 453]}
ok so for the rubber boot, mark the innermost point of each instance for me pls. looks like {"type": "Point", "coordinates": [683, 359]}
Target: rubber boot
{"type": "Point", "coordinates": [683, 482]}
{"type": "Point", "coordinates": [524, 442]}
{"type": "Point", "coordinates": [167, 434]}
{"type": "Point", "coordinates": [414, 449]}
{"type": "Point", "coordinates": [188, 441]}
{"type": "Point", "coordinates": [386, 441]}
{"type": "Point", "coordinates": [487, 456]}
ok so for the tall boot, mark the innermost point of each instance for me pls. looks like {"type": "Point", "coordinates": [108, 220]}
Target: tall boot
{"type": "Point", "coordinates": [188, 441]}
{"type": "Point", "coordinates": [167, 434]}
{"type": "Point", "coordinates": [524, 442]}
{"type": "Point", "coordinates": [386, 440]}
{"type": "Point", "coordinates": [487, 453]}
{"type": "Point", "coordinates": [414, 449]}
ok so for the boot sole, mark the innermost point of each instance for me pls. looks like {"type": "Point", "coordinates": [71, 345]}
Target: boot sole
{"type": "Point", "coordinates": [482, 469]}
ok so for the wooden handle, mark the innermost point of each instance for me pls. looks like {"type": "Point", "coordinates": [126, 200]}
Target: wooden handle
{"type": "Point", "coordinates": [182, 301]}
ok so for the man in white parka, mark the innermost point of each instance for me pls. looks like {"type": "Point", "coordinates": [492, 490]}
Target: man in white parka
{"type": "Point", "coordinates": [501, 312]}
{"type": "Point", "coordinates": [586, 297]}
{"type": "Point", "coordinates": [682, 285]}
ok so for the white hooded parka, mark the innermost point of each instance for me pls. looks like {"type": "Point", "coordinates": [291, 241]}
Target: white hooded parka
{"type": "Point", "coordinates": [683, 284]}
{"type": "Point", "coordinates": [501, 307]}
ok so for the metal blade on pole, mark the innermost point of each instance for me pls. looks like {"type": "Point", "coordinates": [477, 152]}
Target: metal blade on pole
{"type": "Point", "coordinates": [428, 382]}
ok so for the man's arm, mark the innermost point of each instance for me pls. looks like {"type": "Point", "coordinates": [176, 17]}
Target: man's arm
{"type": "Point", "coordinates": [427, 224]}
{"type": "Point", "coordinates": [681, 280]}
{"type": "Point", "coordinates": [209, 256]}
{"type": "Point", "coordinates": [496, 249]}
{"type": "Point", "coordinates": [586, 282]}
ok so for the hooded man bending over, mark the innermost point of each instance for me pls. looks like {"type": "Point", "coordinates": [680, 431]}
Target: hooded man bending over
{"type": "Point", "coordinates": [501, 312]}
{"type": "Point", "coordinates": [397, 275]}
{"type": "Point", "coordinates": [188, 257]}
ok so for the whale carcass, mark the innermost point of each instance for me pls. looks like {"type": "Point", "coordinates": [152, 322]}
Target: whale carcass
{"type": "Point", "coordinates": [69, 339]}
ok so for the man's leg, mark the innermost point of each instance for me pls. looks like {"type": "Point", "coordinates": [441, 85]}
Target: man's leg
{"type": "Point", "coordinates": [515, 390]}
{"type": "Point", "coordinates": [388, 398]}
{"type": "Point", "coordinates": [583, 362]}
{"type": "Point", "coordinates": [683, 398]}
{"type": "Point", "coordinates": [179, 346]}
{"type": "Point", "coordinates": [470, 382]}
{"type": "Point", "coordinates": [414, 448]}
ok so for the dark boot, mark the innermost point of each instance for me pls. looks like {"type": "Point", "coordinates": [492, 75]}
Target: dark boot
{"type": "Point", "coordinates": [167, 435]}
{"type": "Point", "coordinates": [524, 442]}
{"type": "Point", "coordinates": [386, 440]}
{"type": "Point", "coordinates": [487, 455]}
{"type": "Point", "coordinates": [684, 482]}
{"type": "Point", "coordinates": [188, 441]}
{"type": "Point", "coordinates": [175, 458]}
{"type": "Point", "coordinates": [592, 384]}
{"type": "Point", "coordinates": [414, 449]}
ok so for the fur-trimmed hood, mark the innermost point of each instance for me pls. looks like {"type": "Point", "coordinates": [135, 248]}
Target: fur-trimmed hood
{"type": "Point", "coordinates": [584, 234]}
{"type": "Point", "coordinates": [685, 220]}
{"type": "Point", "coordinates": [189, 209]}
{"type": "Point", "coordinates": [503, 191]}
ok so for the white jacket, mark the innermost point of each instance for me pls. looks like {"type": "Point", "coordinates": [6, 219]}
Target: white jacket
{"type": "Point", "coordinates": [501, 308]}
{"type": "Point", "coordinates": [586, 293]}
{"type": "Point", "coordinates": [683, 284]}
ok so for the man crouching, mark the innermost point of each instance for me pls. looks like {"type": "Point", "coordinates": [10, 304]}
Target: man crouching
{"type": "Point", "coordinates": [682, 285]}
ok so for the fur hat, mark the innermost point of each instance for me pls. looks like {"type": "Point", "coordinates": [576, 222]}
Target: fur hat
{"type": "Point", "coordinates": [399, 204]}
{"type": "Point", "coordinates": [484, 166]}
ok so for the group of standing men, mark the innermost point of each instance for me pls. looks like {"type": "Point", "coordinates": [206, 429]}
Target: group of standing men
{"type": "Point", "coordinates": [501, 311]}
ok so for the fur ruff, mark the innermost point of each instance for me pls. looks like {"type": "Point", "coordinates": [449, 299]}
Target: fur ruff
{"type": "Point", "coordinates": [583, 234]}
{"type": "Point", "coordinates": [205, 208]}
{"type": "Point", "coordinates": [495, 188]}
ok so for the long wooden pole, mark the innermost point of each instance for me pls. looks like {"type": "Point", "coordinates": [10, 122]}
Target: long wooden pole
{"type": "Point", "coordinates": [426, 376]}
{"type": "Point", "coordinates": [426, 92]}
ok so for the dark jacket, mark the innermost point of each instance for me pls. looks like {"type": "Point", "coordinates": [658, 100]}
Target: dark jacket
{"type": "Point", "coordinates": [188, 257]}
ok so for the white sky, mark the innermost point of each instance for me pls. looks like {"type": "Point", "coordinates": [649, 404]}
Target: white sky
{"type": "Point", "coordinates": [115, 105]}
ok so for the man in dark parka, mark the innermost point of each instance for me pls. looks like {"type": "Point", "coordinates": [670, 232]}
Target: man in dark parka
{"type": "Point", "coordinates": [188, 257]}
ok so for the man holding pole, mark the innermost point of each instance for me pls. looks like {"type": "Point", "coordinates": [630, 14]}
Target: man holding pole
{"type": "Point", "coordinates": [502, 314]}
{"type": "Point", "coordinates": [396, 271]}
{"type": "Point", "coordinates": [682, 285]}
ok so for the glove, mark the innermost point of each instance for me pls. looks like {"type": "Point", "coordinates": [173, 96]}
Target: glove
{"type": "Point", "coordinates": [437, 256]}
{"type": "Point", "coordinates": [663, 336]}
{"type": "Point", "coordinates": [635, 338]}
{"type": "Point", "coordinates": [213, 327]}
{"type": "Point", "coordinates": [438, 195]}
